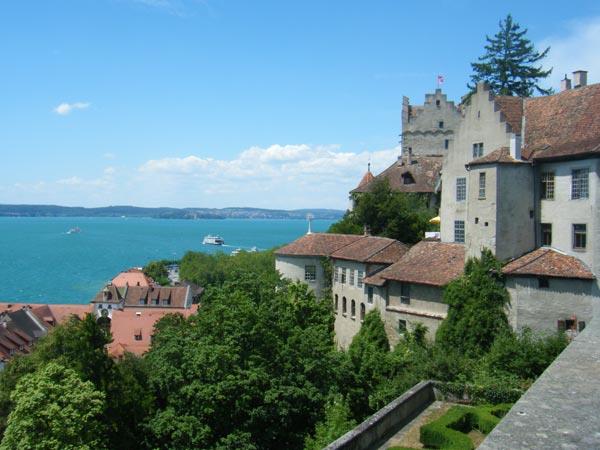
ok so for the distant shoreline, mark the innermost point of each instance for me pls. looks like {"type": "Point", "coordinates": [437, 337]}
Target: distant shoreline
{"type": "Point", "coordinates": [166, 213]}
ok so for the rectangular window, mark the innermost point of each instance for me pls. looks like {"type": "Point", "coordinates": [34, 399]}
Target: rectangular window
{"type": "Point", "coordinates": [579, 236]}
{"type": "Point", "coordinates": [547, 234]}
{"type": "Point", "coordinates": [579, 184]}
{"type": "Point", "coordinates": [441, 124]}
{"type": "Point", "coordinates": [461, 189]}
{"type": "Point", "coordinates": [352, 277]}
{"type": "Point", "coordinates": [459, 231]}
{"type": "Point", "coordinates": [343, 280]}
{"type": "Point", "coordinates": [446, 143]}
{"type": "Point", "coordinates": [478, 150]}
{"type": "Point", "coordinates": [370, 294]}
{"type": "Point", "coordinates": [310, 272]}
{"type": "Point", "coordinates": [401, 326]}
{"type": "Point", "coordinates": [405, 293]}
{"type": "Point", "coordinates": [547, 187]}
{"type": "Point", "coordinates": [359, 281]}
{"type": "Point", "coordinates": [481, 185]}
{"type": "Point", "coordinates": [166, 301]}
{"type": "Point", "coordinates": [336, 274]}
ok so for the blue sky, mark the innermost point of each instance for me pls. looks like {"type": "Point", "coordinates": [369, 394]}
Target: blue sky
{"type": "Point", "coordinates": [236, 103]}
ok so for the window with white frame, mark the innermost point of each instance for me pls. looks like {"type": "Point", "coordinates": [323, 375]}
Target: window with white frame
{"type": "Point", "coordinates": [461, 189]}
{"type": "Point", "coordinates": [359, 281]}
{"type": "Point", "coordinates": [547, 187]}
{"type": "Point", "coordinates": [459, 231]}
{"type": "Point", "coordinates": [336, 274]}
{"type": "Point", "coordinates": [343, 278]}
{"type": "Point", "coordinates": [546, 234]}
{"type": "Point", "coordinates": [579, 184]}
{"type": "Point", "coordinates": [481, 185]}
{"type": "Point", "coordinates": [478, 150]}
{"type": "Point", "coordinates": [351, 277]}
{"type": "Point", "coordinates": [310, 272]}
{"type": "Point", "coordinates": [579, 236]}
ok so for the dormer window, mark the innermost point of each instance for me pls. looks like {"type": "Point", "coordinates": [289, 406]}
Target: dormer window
{"type": "Point", "coordinates": [407, 178]}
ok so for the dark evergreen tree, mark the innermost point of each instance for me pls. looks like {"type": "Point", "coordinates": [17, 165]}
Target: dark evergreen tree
{"type": "Point", "coordinates": [509, 64]}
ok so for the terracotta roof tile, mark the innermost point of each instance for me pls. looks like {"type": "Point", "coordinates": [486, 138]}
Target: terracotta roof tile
{"type": "Point", "coordinates": [176, 296]}
{"type": "Point", "coordinates": [548, 262]}
{"type": "Point", "coordinates": [375, 279]}
{"type": "Point", "coordinates": [425, 171]}
{"type": "Point", "coordinates": [428, 262]}
{"type": "Point", "coordinates": [512, 111]}
{"type": "Point", "coordinates": [317, 244]}
{"type": "Point", "coordinates": [132, 277]}
{"type": "Point", "coordinates": [498, 156]}
{"type": "Point", "coordinates": [372, 249]}
{"type": "Point", "coordinates": [563, 125]}
{"type": "Point", "coordinates": [366, 179]}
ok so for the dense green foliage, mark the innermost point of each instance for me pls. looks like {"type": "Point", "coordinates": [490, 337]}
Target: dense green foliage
{"type": "Point", "coordinates": [55, 409]}
{"type": "Point", "coordinates": [157, 270]}
{"type": "Point", "coordinates": [476, 308]}
{"type": "Point", "coordinates": [257, 367]}
{"type": "Point", "coordinates": [509, 64]}
{"type": "Point", "coordinates": [397, 215]}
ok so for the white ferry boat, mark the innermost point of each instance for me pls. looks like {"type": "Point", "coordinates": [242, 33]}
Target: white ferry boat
{"type": "Point", "coordinates": [213, 240]}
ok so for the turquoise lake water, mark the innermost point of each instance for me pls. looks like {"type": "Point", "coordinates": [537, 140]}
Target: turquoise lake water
{"type": "Point", "coordinates": [40, 262]}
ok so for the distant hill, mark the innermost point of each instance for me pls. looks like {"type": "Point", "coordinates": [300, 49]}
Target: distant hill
{"type": "Point", "coordinates": [165, 213]}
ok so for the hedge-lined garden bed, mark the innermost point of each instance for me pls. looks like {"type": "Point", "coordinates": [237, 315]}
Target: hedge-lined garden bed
{"type": "Point", "coordinates": [450, 431]}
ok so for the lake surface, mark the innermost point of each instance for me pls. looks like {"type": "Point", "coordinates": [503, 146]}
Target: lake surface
{"type": "Point", "coordinates": [40, 262]}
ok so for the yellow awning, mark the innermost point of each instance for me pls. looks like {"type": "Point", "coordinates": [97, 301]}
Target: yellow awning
{"type": "Point", "coordinates": [436, 220]}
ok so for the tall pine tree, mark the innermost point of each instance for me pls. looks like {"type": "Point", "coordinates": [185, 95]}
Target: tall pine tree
{"type": "Point", "coordinates": [509, 64]}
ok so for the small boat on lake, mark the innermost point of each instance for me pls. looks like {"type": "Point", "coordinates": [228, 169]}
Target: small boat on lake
{"type": "Point", "coordinates": [236, 252]}
{"type": "Point", "coordinates": [74, 230]}
{"type": "Point", "coordinates": [213, 240]}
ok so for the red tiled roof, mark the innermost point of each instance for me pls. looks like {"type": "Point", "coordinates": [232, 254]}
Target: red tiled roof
{"type": "Point", "coordinates": [176, 296]}
{"type": "Point", "coordinates": [424, 170]}
{"type": "Point", "coordinates": [512, 111]}
{"type": "Point", "coordinates": [366, 179]}
{"type": "Point", "coordinates": [375, 279]}
{"type": "Point", "coordinates": [428, 262]}
{"type": "Point", "coordinates": [132, 277]}
{"type": "Point", "coordinates": [372, 249]}
{"type": "Point", "coordinates": [563, 125]}
{"type": "Point", "coordinates": [317, 244]}
{"type": "Point", "coordinates": [499, 156]}
{"type": "Point", "coordinates": [548, 262]}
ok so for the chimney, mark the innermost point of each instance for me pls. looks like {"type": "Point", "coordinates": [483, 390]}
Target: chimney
{"type": "Point", "coordinates": [579, 78]}
{"type": "Point", "coordinates": [515, 146]}
{"type": "Point", "coordinates": [565, 84]}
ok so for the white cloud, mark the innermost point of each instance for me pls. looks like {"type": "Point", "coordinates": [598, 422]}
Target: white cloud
{"type": "Point", "coordinates": [109, 170]}
{"type": "Point", "coordinates": [66, 108]}
{"type": "Point", "coordinates": [71, 181]}
{"type": "Point", "coordinates": [574, 49]}
{"type": "Point", "coordinates": [109, 155]}
{"type": "Point", "coordinates": [283, 176]}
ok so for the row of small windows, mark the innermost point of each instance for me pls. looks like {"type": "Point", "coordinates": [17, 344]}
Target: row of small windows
{"type": "Point", "coordinates": [155, 302]}
{"type": "Point", "coordinates": [343, 275]}
{"type": "Point", "coordinates": [352, 307]}
{"type": "Point", "coordinates": [579, 235]}
{"type": "Point", "coordinates": [580, 186]}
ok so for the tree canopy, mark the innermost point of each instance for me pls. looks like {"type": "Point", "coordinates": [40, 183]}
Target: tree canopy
{"type": "Point", "coordinates": [157, 270]}
{"type": "Point", "coordinates": [397, 215]}
{"type": "Point", "coordinates": [510, 64]}
{"type": "Point", "coordinates": [55, 410]}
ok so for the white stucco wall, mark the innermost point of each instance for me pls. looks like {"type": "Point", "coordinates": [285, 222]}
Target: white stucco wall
{"type": "Point", "coordinates": [562, 212]}
{"type": "Point", "coordinates": [293, 267]}
{"type": "Point", "coordinates": [541, 308]}
{"type": "Point", "coordinates": [481, 123]}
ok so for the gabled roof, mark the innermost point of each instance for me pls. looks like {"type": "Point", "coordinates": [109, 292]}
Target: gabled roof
{"type": "Point", "coordinates": [547, 262]}
{"type": "Point", "coordinates": [512, 111]}
{"type": "Point", "coordinates": [131, 296]}
{"type": "Point", "coordinates": [564, 125]}
{"type": "Point", "coordinates": [317, 244]}
{"type": "Point", "coordinates": [499, 156]}
{"type": "Point", "coordinates": [372, 249]}
{"type": "Point", "coordinates": [428, 262]}
{"type": "Point", "coordinates": [424, 170]}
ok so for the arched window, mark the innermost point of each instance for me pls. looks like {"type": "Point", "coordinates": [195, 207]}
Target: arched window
{"type": "Point", "coordinates": [344, 306]}
{"type": "Point", "coordinates": [353, 309]}
{"type": "Point", "coordinates": [362, 311]}
{"type": "Point", "coordinates": [336, 303]}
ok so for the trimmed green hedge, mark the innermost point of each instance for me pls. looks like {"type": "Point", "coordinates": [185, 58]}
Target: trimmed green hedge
{"type": "Point", "coordinates": [449, 431]}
